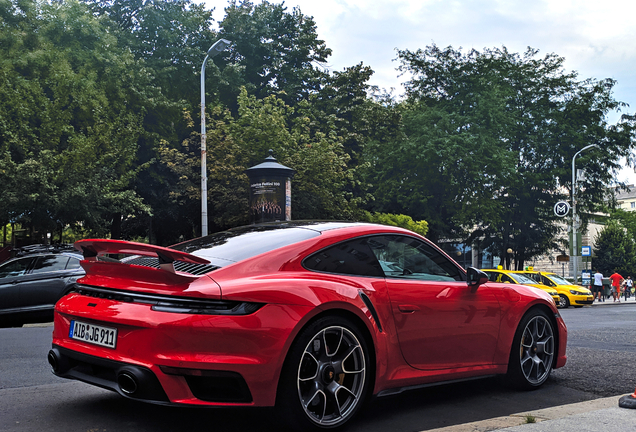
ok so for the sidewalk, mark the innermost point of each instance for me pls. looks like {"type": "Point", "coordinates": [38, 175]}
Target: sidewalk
{"type": "Point", "coordinates": [599, 415]}
{"type": "Point", "coordinates": [610, 301]}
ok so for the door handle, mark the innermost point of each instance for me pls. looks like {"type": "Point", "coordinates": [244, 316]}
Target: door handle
{"type": "Point", "coordinates": [406, 308]}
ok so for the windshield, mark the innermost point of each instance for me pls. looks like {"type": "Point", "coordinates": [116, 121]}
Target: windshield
{"type": "Point", "coordinates": [558, 280]}
{"type": "Point", "coordinates": [523, 279]}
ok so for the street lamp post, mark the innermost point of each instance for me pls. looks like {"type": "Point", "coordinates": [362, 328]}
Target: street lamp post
{"type": "Point", "coordinates": [214, 50]}
{"type": "Point", "coordinates": [574, 222]}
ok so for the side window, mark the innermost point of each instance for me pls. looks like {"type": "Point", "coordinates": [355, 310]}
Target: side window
{"type": "Point", "coordinates": [546, 281]}
{"type": "Point", "coordinates": [507, 279]}
{"type": "Point", "coordinates": [50, 263]}
{"type": "Point", "coordinates": [352, 257]}
{"type": "Point", "coordinates": [73, 263]}
{"type": "Point", "coordinates": [493, 277]}
{"type": "Point", "coordinates": [15, 268]}
{"type": "Point", "coordinates": [410, 258]}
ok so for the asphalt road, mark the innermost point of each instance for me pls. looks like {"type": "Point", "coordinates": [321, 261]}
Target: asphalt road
{"type": "Point", "coordinates": [601, 347]}
{"type": "Point", "coordinates": [602, 341]}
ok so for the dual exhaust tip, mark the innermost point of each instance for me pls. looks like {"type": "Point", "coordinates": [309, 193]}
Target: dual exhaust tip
{"type": "Point", "coordinates": [128, 377]}
{"type": "Point", "coordinates": [128, 383]}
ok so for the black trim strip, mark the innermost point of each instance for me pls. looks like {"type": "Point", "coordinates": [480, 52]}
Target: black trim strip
{"type": "Point", "coordinates": [165, 303]}
{"type": "Point", "coordinates": [398, 390]}
{"type": "Point", "coordinates": [367, 301]}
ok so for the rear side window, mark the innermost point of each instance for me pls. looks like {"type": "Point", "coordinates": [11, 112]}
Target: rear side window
{"type": "Point", "coordinates": [546, 281]}
{"type": "Point", "coordinates": [15, 268]}
{"type": "Point", "coordinates": [353, 257]}
{"type": "Point", "coordinates": [73, 263]}
{"type": "Point", "coordinates": [50, 263]}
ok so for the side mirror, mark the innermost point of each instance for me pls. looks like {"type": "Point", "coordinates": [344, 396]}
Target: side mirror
{"type": "Point", "coordinates": [476, 277]}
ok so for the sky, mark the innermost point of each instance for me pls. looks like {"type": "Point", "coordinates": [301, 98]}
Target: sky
{"type": "Point", "coordinates": [596, 38]}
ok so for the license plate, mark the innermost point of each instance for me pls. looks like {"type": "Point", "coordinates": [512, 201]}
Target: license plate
{"type": "Point", "coordinates": [94, 334]}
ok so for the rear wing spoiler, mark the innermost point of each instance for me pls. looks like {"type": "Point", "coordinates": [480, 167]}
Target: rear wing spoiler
{"type": "Point", "coordinates": [91, 248]}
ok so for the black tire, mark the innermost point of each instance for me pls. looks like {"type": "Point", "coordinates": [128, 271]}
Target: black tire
{"type": "Point", "coordinates": [533, 351]}
{"type": "Point", "coordinates": [565, 301]}
{"type": "Point", "coordinates": [327, 376]}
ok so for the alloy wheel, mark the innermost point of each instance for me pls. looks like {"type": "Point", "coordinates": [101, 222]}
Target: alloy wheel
{"type": "Point", "coordinates": [331, 375]}
{"type": "Point", "coordinates": [537, 350]}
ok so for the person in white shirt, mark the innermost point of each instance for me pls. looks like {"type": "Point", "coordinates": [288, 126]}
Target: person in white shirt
{"type": "Point", "coordinates": [597, 286]}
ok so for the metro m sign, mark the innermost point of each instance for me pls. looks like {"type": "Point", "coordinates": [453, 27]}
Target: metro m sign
{"type": "Point", "coordinates": [561, 208]}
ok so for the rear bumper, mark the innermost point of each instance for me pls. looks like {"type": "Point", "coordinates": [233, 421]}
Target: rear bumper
{"type": "Point", "coordinates": [128, 380]}
{"type": "Point", "coordinates": [140, 383]}
{"type": "Point", "coordinates": [178, 359]}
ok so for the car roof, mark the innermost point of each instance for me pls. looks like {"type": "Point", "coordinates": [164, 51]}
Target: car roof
{"type": "Point", "coordinates": [315, 225]}
{"type": "Point", "coordinates": [239, 243]}
{"type": "Point", "coordinates": [42, 254]}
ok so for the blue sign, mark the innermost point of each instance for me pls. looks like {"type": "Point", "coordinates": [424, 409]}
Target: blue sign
{"type": "Point", "coordinates": [586, 250]}
{"type": "Point", "coordinates": [586, 277]}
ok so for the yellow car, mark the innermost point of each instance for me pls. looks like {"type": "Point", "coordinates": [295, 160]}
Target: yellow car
{"type": "Point", "coordinates": [509, 276]}
{"type": "Point", "coordinates": [569, 293]}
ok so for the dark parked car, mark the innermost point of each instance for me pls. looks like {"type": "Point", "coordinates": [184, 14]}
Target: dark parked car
{"type": "Point", "coordinates": [31, 285]}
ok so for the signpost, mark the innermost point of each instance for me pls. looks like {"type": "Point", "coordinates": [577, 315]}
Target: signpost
{"type": "Point", "coordinates": [563, 259]}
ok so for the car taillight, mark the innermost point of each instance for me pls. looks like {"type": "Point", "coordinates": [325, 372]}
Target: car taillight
{"type": "Point", "coordinates": [218, 308]}
{"type": "Point", "coordinates": [172, 304]}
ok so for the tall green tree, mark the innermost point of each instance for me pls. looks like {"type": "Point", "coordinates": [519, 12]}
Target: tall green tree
{"type": "Point", "coordinates": [235, 144]}
{"type": "Point", "coordinates": [70, 104]}
{"type": "Point", "coordinates": [626, 219]}
{"type": "Point", "coordinates": [488, 141]}
{"type": "Point", "coordinates": [614, 251]}
{"type": "Point", "coordinates": [275, 51]}
{"type": "Point", "coordinates": [171, 37]}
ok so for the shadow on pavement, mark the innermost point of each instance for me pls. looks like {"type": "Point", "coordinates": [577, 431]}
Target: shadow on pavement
{"type": "Point", "coordinates": [75, 406]}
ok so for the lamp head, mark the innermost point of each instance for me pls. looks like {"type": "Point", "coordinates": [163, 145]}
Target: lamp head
{"type": "Point", "coordinates": [218, 47]}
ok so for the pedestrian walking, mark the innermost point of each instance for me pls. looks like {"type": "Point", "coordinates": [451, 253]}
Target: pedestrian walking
{"type": "Point", "coordinates": [597, 285]}
{"type": "Point", "coordinates": [616, 286]}
{"type": "Point", "coordinates": [629, 284]}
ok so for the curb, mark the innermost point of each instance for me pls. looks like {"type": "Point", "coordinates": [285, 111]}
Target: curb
{"type": "Point", "coordinates": [613, 303]}
{"type": "Point", "coordinates": [49, 324]}
{"type": "Point", "coordinates": [539, 415]}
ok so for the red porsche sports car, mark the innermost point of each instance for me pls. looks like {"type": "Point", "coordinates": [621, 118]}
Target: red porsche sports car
{"type": "Point", "coordinates": [310, 317]}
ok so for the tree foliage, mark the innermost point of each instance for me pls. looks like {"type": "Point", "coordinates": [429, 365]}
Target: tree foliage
{"type": "Point", "coordinates": [614, 251]}
{"type": "Point", "coordinates": [403, 221]}
{"type": "Point", "coordinates": [276, 51]}
{"type": "Point", "coordinates": [71, 103]}
{"type": "Point", "coordinates": [235, 144]}
{"type": "Point", "coordinates": [99, 127]}
{"type": "Point", "coordinates": [488, 137]}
